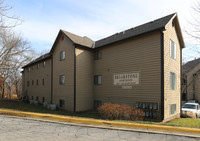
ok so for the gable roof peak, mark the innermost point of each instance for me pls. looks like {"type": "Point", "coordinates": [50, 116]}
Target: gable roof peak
{"type": "Point", "coordinates": [76, 39]}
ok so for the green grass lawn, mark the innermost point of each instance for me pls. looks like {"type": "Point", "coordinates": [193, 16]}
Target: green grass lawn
{"type": "Point", "coordinates": [185, 122]}
{"type": "Point", "coordinates": [18, 105]}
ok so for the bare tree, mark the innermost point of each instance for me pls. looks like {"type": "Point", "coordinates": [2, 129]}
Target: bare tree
{"type": "Point", "coordinates": [7, 21]}
{"type": "Point", "coordinates": [193, 29]}
{"type": "Point", "coordinates": [15, 52]}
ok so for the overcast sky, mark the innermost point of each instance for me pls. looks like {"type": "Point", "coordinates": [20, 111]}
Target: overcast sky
{"type": "Point", "coordinates": [94, 18]}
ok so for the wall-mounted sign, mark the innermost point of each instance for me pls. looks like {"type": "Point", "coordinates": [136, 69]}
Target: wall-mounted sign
{"type": "Point", "coordinates": [126, 79]}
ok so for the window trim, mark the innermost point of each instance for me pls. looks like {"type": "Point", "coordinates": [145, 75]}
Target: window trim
{"type": "Point", "coordinates": [60, 79]}
{"type": "Point", "coordinates": [97, 79]}
{"type": "Point", "coordinates": [173, 81]}
{"type": "Point", "coordinates": [97, 55]}
{"type": "Point", "coordinates": [174, 112]}
{"type": "Point", "coordinates": [62, 55]}
{"type": "Point", "coordinates": [172, 49]}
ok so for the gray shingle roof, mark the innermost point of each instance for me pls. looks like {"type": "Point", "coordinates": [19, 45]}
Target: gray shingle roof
{"type": "Point", "coordinates": [41, 58]}
{"type": "Point", "coordinates": [190, 65]}
{"type": "Point", "coordinates": [158, 24]}
{"type": "Point", "coordinates": [145, 28]}
{"type": "Point", "coordinates": [84, 41]}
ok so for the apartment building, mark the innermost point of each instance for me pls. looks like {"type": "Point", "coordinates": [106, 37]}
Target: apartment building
{"type": "Point", "coordinates": [140, 66]}
{"type": "Point", "coordinates": [190, 81]}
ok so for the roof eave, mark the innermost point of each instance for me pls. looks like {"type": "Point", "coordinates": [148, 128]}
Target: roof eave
{"type": "Point", "coordinates": [180, 36]}
{"type": "Point", "coordinates": [35, 62]}
{"type": "Point", "coordinates": [158, 29]}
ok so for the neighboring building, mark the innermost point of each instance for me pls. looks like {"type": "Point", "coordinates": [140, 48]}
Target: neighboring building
{"type": "Point", "coordinates": [191, 81]}
{"type": "Point", "coordinates": [140, 66]}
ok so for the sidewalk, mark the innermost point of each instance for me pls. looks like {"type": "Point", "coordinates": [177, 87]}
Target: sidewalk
{"type": "Point", "coordinates": [160, 129]}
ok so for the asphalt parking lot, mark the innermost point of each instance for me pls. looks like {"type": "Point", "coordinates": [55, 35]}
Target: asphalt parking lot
{"type": "Point", "coordinates": [26, 129]}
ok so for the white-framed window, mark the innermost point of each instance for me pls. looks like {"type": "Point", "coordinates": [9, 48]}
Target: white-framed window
{"type": "Point", "coordinates": [62, 55]}
{"type": "Point", "coordinates": [172, 49]}
{"type": "Point", "coordinates": [172, 81]}
{"type": "Point", "coordinates": [172, 109]}
{"type": "Point", "coordinates": [97, 79]}
{"type": "Point", "coordinates": [38, 66]}
{"type": "Point", "coordinates": [29, 69]}
{"type": "Point", "coordinates": [62, 79]}
{"type": "Point", "coordinates": [44, 64]}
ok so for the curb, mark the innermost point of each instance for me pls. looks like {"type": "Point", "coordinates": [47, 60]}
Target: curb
{"type": "Point", "coordinates": [100, 122]}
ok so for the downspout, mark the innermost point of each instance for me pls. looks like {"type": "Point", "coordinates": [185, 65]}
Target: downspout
{"type": "Point", "coordinates": [162, 74]}
{"type": "Point", "coordinates": [74, 78]}
{"type": "Point", "coordinates": [52, 79]}
{"type": "Point", "coordinates": [181, 80]}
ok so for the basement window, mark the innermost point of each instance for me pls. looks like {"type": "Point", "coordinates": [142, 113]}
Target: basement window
{"type": "Point", "coordinates": [97, 103]}
{"type": "Point", "coordinates": [97, 79]}
{"type": "Point", "coordinates": [61, 103]}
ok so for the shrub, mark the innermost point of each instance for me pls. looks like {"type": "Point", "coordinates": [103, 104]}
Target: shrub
{"type": "Point", "coordinates": [121, 112]}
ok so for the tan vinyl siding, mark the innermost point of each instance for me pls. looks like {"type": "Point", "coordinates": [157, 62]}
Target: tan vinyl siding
{"type": "Point", "coordinates": [65, 67]}
{"type": "Point", "coordinates": [141, 54]}
{"type": "Point", "coordinates": [84, 79]}
{"type": "Point", "coordinates": [171, 65]}
{"type": "Point", "coordinates": [38, 74]}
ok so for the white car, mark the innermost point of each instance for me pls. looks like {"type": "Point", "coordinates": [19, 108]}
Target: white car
{"type": "Point", "coordinates": [191, 110]}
